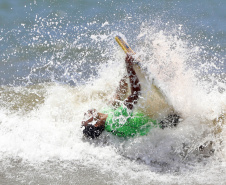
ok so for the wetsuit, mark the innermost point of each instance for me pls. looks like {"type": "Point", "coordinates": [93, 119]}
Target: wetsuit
{"type": "Point", "coordinates": [124, 122]}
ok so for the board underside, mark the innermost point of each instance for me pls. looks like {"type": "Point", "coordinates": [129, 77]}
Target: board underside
{"type": "Point", "coordinates": [154, 103]}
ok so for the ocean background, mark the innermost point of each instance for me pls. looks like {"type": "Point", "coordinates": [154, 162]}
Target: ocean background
{"type": "Point", "coordinates": [59, 58]}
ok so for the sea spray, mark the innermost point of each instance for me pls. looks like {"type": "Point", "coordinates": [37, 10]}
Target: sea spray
{"type": "Point", "coordinates": [59, 59]}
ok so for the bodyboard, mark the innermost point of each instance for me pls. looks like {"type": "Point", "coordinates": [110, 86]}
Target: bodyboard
{"type": "Point", "coordinates": [154, 103]}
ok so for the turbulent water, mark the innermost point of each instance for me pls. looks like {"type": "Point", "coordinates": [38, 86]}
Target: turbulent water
{"type": "Point", "coordinates": [59, 59]}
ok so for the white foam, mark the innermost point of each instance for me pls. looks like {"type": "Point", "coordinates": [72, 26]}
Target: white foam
{"type": "Point", "coordinates": [52, 131]}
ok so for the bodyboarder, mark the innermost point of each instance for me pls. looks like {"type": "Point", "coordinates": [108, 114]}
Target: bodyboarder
{"type": "Point", "coordinates": [122, 121]}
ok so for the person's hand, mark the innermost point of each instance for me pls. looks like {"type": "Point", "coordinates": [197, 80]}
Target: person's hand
{"type": "Point", "coordinates": [129, 60]}
{"type": "Point", "coordinates": [89, 116]}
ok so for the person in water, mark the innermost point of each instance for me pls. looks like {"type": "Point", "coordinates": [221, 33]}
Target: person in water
{"type": "Point", "coordinates": [122, 121]}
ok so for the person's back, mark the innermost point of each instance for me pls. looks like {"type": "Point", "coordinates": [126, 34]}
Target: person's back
{"type": "Point", "coordinates": [127, 123]}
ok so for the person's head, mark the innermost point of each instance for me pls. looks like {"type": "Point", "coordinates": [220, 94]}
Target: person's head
{"type": "Point", "coordinates": [94, 123]}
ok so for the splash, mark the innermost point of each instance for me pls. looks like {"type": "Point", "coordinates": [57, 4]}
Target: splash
{"type": "Point", "coordinates": [170, 60]}
{"type": "Point", "coordinates": [40, 119]}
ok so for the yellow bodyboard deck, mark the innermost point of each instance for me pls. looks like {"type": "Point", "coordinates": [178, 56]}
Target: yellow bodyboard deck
{"type": "Point", "coordinates": [126, 48]}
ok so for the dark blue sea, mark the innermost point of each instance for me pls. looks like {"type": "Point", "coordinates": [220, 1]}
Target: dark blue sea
{"type": "Point", "coordinates": [60, 58]}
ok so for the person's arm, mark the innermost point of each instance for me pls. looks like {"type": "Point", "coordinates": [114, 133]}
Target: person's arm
{"type": "Point", "coordinates": [134, 83]}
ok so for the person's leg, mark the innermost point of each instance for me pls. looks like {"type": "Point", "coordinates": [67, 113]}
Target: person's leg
{"type": "Point", "coordinates": [122, 89]}
{"type": "Point", "coordinates": [134, 83]}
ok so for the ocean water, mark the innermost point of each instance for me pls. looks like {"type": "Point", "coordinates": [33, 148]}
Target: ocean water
{"type": "Point", "coordinates": [59, 58]}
